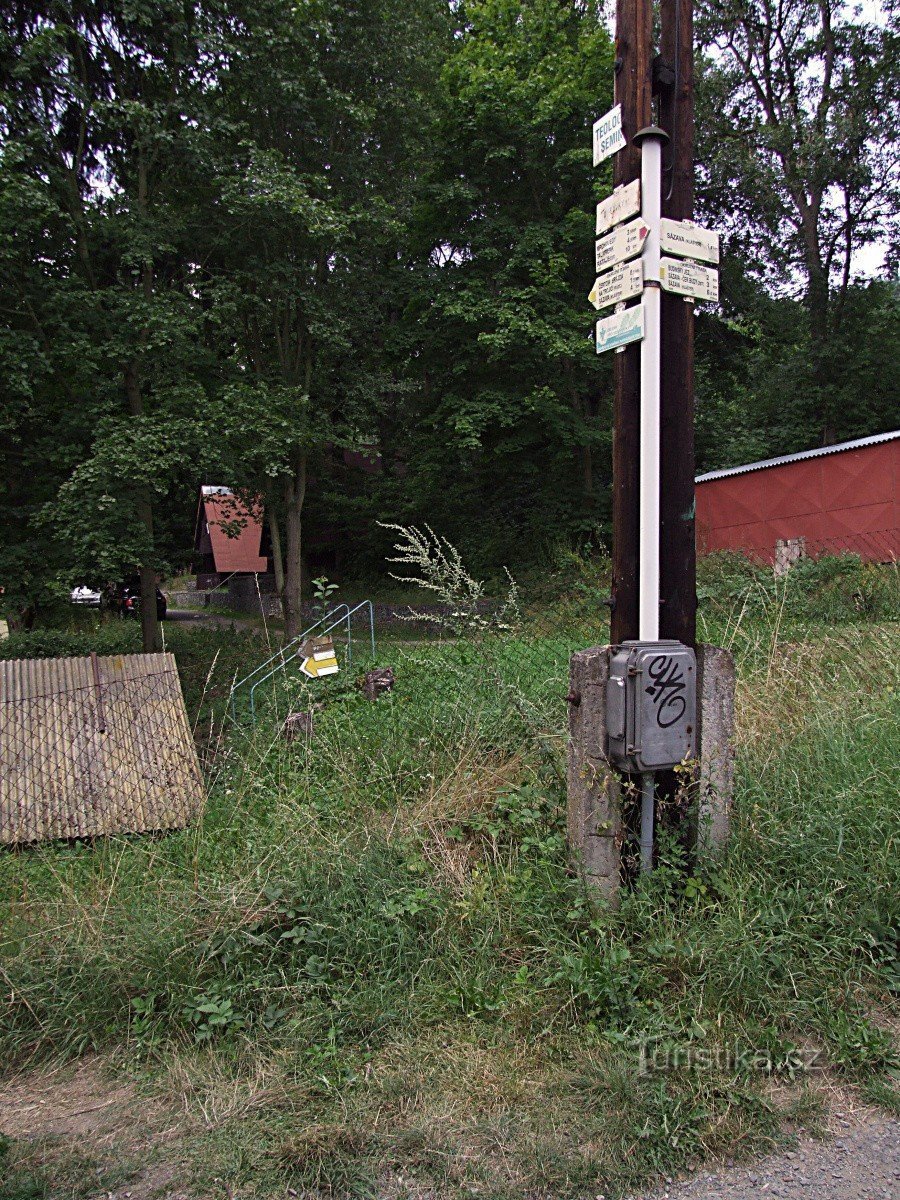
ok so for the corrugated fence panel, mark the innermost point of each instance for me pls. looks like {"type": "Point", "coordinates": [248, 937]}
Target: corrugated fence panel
{"type": "Point", "coordinates": [94, 746]}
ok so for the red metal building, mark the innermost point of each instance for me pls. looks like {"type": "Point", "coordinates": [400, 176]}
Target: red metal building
{"type": "Point", "coordinates": [837, 499]}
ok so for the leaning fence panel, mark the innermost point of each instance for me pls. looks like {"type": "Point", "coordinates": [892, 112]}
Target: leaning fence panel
{"type": "Point", "coordinates": [94, 746]}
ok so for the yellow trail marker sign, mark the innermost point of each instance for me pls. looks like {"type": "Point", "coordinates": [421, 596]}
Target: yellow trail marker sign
{"type": "Point", "coordinates": [318, 658]}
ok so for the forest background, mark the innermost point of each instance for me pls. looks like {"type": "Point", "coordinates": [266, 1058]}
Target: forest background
{"type": "Point", "coordinates": [240, 238]}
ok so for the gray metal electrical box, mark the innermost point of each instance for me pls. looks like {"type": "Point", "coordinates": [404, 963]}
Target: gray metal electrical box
{"type": "Point", "coordinates": [651, 705]}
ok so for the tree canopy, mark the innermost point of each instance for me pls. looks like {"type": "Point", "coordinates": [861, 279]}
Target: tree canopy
{"type": "Point", "coordinates": [240, 240]}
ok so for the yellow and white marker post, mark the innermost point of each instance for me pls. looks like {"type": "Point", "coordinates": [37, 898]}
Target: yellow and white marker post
{"type": "Point", "coordinates": [318, 658]}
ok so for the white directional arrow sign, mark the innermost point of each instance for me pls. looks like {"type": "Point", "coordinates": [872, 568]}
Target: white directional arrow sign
{"type": "Point", "coordinates": [620, 329]}
{"type": "Point", "coordinates": [689, 240]}
{"type": "Point", "coordinates": [624, 242]}
{"type": "Point", "coordinates": [621, 283]}
{"type": "Point", "coordinates": [688, 279]}
{"type": "Point", "coordinates": [608, 137]}
{"type": "Point", "coordinates": [625, 202]}
{"type": "Point", "coordinates": [318, 657]}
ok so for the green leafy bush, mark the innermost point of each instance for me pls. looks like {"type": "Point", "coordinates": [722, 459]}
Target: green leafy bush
{"type": "Point", "coordinates": [831, 588]}
{"type": "Point", "coordinates": [841, 587]}
{"type": "Point", "coordinates": [116, 637]}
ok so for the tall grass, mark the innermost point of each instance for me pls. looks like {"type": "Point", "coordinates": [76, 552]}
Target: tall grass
{"type": "Point", "coordinates": [371, 961]}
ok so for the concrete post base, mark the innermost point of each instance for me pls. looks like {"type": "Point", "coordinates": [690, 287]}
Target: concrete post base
{"type": "Point", "coordinates": [594, 815]}
{"type": "Point", "coordinates": [716, 680]}
{"type": "Point", "coordinates": [594, 811]}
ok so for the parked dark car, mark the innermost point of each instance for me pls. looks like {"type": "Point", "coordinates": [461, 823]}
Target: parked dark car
{"type": "Point", "coordinates": [125, 599]}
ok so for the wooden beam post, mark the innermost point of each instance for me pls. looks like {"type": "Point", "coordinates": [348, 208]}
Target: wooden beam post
{"type": "Point", "coordinates": [633, 92]}
{"type": "Point", "coordinates": [678, 567]}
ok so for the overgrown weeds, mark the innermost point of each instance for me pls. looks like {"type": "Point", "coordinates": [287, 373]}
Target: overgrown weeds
{"type": "Point", "coordinates": [372, 970]}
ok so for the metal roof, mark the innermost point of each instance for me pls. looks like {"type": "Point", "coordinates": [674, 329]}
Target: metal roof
{"type": "Point", "coordinates": [792, 458]}
{"type": "Point", "coordinates": [235, 531]}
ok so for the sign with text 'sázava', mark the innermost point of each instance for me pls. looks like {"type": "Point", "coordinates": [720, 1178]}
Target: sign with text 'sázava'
{"type": "Point", "coordinates": [620, 329]}
{"type": "Point", "coordinates": [624, 242]}
{"type": "Point", "coordinates": [689, 279]}
{"type": "Point", "coordinates": [608, 137]}
{"type": "Point", "coordinates": [625, 202]}
{"type": "Point", "coordinates": [621, 283]}
{"type": "Point", "coordinates": [688, 240]}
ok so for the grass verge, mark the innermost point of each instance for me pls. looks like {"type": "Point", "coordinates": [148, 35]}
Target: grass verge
{"type": "Point", "coordinates": [370, 971]}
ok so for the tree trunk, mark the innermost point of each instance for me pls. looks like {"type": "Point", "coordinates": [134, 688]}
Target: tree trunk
{"type": "Point", "coordinates": [818, 304]}
{"type": "Point", "coordinates": [581, 407]}
{"type": "Point", "coordinates": [151, 637]}
{"type": "Point", "coordinates": [294, 495]}
{"type": "Point", "coordinates": [277, 555]}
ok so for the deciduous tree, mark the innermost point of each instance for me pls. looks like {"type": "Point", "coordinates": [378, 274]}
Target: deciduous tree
{"type": "Point", "coordinates": [797, 128]}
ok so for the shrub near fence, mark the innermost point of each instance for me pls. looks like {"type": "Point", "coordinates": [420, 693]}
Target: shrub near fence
{"type": "Point", "coordinates": [510, 670]}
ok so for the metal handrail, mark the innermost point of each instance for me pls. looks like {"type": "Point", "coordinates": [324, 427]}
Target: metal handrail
{"type": "Point", "coordinates": [280, 652]}
{"type": "Point", "coordinates": [371, 607]}
{"type": "Point", "coordinates": [297, 642]}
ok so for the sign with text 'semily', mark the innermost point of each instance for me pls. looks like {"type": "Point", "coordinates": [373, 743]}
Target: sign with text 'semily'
{"type": "Point", "coordinates": [608, 137]}
{"type": "Point", "coordinates": [688, 240]}
{"type": "Point", "coordinates": [624, 242]}
{"type": "Point", "coordinates": [621, 283]}
{"type": "Point", "coordinates": [625, 202]}
{"type": "Point", "coordinates": [689, 279]}
{"type": "Point", "coordinates": [620, 329]}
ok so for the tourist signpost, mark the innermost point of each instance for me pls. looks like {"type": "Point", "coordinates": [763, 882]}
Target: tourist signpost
{"type": "Point", "coordinates": [623, 243]}
{"type": "Point", "coordinates": [637, 705]}
{"type": "Point", "coordinates": [651, 689]}
{"type": "Point", "coordinates": [688, 240]}
{"type": "Point", "coordinates": [621, 283]}
{"type": "Point", "coordinates": [624, 202]}
{"type": "Point", "coordinates": [689, 279]}
{"type": "Point", "coordinates": [608, 137]}
{"type": "Point", "coordinates": [318, 657]}
{"type": "Point", "coordinates": [620, 329]}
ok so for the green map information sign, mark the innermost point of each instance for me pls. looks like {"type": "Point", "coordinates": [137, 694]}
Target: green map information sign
{"type": "Point", "coordinates": [620, 329]}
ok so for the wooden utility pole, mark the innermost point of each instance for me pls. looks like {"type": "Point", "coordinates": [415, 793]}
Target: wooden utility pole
{"type": "Point", "coordinates": [654, 565]}
{"type": "Point", "coordinates": [675, 89]}
{"type": "Point", "coordinates": [670, 77]}
{"type": "Point", "coordinates": [633, 90]}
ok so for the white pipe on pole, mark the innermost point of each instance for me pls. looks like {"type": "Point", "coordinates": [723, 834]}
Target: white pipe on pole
{"type": "Point", "coordinates": [651, 143]}
{"type": "Point", "coordinates": [648, 562]}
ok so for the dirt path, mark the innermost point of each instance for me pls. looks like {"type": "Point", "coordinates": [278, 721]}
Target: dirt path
{"type": "Point", "coordinates": [209, 620]}
{"type": "Point", "coordinates": [860, 1162]}
{"type": "Point", "coordinates": [78, 1131]}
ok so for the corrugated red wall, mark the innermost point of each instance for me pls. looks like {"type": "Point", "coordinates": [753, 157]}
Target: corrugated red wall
{"type": "Point", "coordinates": [846, 500]}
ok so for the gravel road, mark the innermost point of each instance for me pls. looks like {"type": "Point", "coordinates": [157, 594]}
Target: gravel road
{"type": "Point", "coordinates": [861, 1162]}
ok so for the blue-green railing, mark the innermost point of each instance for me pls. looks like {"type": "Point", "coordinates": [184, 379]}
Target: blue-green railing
{"type": "Point", "coordinates": [293, 650]}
